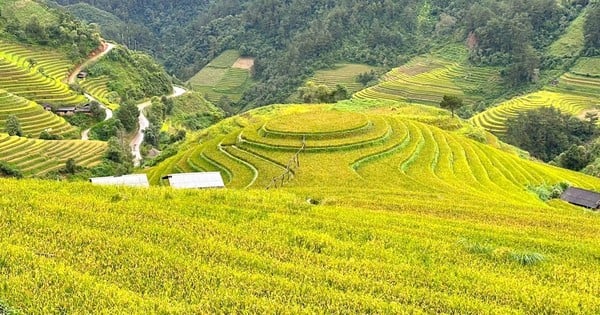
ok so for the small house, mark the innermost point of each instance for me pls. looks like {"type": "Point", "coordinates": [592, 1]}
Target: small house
{"type": "Point", "coordinates": [133, 180]}
{"type": "Point", "coordinates": [65, 111]}
{"type": "Point", "coordinates": [196, 180]}
{"type": "Point", "coordinates": [47, 107]}
{"type": "Point", "coordinates": [82, 75]}
{"type": "Point", "coordinates": [581, 197]}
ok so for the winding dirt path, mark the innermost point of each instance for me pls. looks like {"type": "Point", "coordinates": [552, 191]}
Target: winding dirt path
{"type": "Point", "coordinates": [106, 48]}
{"type": "Point", "coordinates": [143, 123]}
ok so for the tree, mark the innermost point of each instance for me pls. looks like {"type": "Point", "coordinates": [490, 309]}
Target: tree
{"type": "Point", "coordinates": [591, 118]}
{"type": "Point", "coordinates": [32, 62]}
{"type": "Point", "coordinates": [546, 132]}
{"type": "Point", "coordinates": [71, 166]}
{"type": "Point", "coordinates": [575, 158]}
{"type": "Point", "coordinates": [591, 30]}
{"type": "Point", "coordinates": [128, 114]}
{"type": "Point", "coordinates": [13, 126]}
{"type": "Point", "coordinates": [451, 103]}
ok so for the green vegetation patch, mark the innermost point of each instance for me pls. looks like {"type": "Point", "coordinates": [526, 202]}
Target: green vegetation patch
{"type": "Point", "coordinates": [587, 66]}
{"type": "Point", "coordinates": [26, 10]}
{"type": "Point", "coordinates": [344, 74]}
{"type": "Point", "coordinates": [571, 43]}
{"type": "Point", "coordinates": [132, 75]}
{"type": "Point", "coordinates": [221, 82]}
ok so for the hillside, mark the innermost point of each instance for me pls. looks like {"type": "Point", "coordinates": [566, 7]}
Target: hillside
{"type": "Point", "coordinates": [392, 210]}
{"type": "Point", "coordinates": [40, 47]}
{"type": "Point", "coordinates": [293, 39]}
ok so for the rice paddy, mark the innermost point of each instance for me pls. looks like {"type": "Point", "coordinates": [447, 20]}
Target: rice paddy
{"type": "Point", "coordinates": [426, 79]}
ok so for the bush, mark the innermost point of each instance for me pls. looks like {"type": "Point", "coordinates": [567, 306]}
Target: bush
{"type": "Point", "coordinates": [9, 170]}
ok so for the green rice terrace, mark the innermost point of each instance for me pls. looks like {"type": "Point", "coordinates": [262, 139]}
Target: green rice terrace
{"type": "Point", "coordinates": [494, 119]}
{"type": "Point", "coordinates": [385, 207]}
{"type": "Point", "coordinates": [574, 92]}
{"type": "Point", "coordinates": [32, 117]}
{"type": "Point", "coordinates": [344, 74]}
{"type": "Point", "coordinates": [41, 81]}
{"type": "Point", "coordinates": [227, 75]}
{"type": "Point", "coordinates": [35, 157]}
{"type": "Point", "coordinates": [426, 79]}
{"type": "Point", "coordinates": [98, 88]}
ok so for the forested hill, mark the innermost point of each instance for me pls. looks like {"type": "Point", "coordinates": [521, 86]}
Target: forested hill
{"type": "Point", "coordinates": [292, 38]}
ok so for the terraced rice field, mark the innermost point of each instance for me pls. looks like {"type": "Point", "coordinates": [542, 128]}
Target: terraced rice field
{"type": "Point", "coordinates": [32, 117]}
{"type": "Point", "coordinates": [18, 78]}
{"type": "Point", "coordinates": [37, 157]}
{"type": "Point", "coordinates": [402, 217]}
{"type": "Point", "coordinates": [494, 119]}
{"type": "Point", "coordinates": [344, 74]}
{"type": "Point", "coordinates": [426, 80]}
{"type": "Point", "coordinates": [219, 78]}
{"type": "Point", "coordinates": [374, 148]}
{"type": "Point", "coordinates": [97, 87]}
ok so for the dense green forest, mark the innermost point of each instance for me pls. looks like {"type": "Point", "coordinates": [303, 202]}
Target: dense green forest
{"type": "Point", "coordinates": [290, 39]}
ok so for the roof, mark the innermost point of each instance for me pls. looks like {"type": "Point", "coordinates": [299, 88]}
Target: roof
{"type": "Point", "coordinates": [65, 109]}
{"type": "Point", "coordinates": [196, 180]}
{"type": "Point", "coordinates": [133, 180]}
{"type": "Point", "coordinates": [581, 197]}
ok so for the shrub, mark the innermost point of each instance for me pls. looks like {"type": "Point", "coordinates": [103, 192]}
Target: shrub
{"type": "Point", "coordinates": [8, 170]}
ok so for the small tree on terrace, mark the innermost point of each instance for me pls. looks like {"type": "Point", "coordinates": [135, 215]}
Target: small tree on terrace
{"type": "Point", "coordinates": [13, 126]}
{"type": "Point", "coordinates": [451, 103]}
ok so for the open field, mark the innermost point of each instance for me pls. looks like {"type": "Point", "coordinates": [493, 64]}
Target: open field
{"type": "Point", "coordinates": [37, 157]}
{"type": "Point", "coordinates": [394, 212]}
{"type": "Point", "coordinates": [222, 77]}
{"type": "Point", "coordinates": [97, 87]}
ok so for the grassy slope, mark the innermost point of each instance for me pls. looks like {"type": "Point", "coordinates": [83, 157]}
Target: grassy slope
{"type": "Point", "coordinates": [438, 224]}
{"type": "Point", "coordinates": [25, 10]}
{"type": "Point", "coordinates": [571, 43]}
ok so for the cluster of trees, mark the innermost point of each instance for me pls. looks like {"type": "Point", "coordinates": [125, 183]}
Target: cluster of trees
{"type": "Point", "coordinates": [312, 92]}
{"type": "Point", "coordinates": [591, 31]}
{"type": "Point", "coordinates": [64, 32]}
{"type": "Point", "coordinates": [290, 39]}
{"type": "Point", "coordinates": [550, 135]}
{"type": "Point", "coordinates": [513, 33]}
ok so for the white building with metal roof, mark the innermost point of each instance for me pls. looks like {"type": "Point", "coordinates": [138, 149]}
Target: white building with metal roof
{"type": "Point", "coordinates": [196, 180]}
{"type": "Point", "coordinates": [132, 180]}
